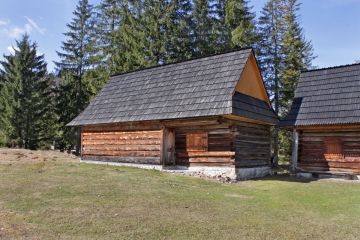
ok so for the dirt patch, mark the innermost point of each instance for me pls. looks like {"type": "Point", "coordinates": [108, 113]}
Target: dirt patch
{"type": "Point", "coordinates": [13, 156]}
{"type": "Point", "coordinates": [240, 196]}
{"type": "Point", "coordinates": [11, 227]}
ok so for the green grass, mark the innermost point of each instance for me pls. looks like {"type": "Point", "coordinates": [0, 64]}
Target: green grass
{"type": "Point", "coordinates": [67, 200]}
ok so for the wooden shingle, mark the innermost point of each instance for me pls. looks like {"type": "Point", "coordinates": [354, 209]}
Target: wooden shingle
{"type": "Point", "coordinates": [194, 88]}
{"type": "Point", "coordinates": [326, 96]}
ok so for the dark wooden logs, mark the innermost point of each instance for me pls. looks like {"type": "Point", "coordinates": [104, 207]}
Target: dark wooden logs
{"type": "Point", "coordinates": [252, 144]}
{"type": "Point", "coordinates": [330, 150]}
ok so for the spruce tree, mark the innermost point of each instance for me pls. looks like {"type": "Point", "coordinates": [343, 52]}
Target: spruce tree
{"type": "Point", "coordinates": [153, 21]}
{"type": "Point", "coordinates": [133, 35]}
{"type": "Point", "coordinates": [204, 39]}
{"type": "Point", "coordinates": [178, 26]}
{"type": "Point", "coordinates": [26, 104]}
{"type": "Point", "coordinates": [109, 43]}
{"type": "Point", "coordinates": [271, 31]}
{"type": "Point", "coordinates": [79, 55]}
{"type": "Point", "coordinates": [1, 79]}
{"type": "Point", "coordinates": [240, 22]}
{"type": "Point", "coordinates": [283, 52]}
{"type": "Point", "coordinates": [297, 52]}
{"type": "Point", "coordinates": [78, 51]}
{"type": "Point", "coordinates": [234, 25]}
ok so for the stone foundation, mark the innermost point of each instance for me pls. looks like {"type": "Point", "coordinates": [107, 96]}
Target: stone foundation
{"type": "Point", "coordinates": [225, 173]}
{"type": "Point", "coordinates": [254, 172]}
{"type": "Point", "coordinates": [219, 172]}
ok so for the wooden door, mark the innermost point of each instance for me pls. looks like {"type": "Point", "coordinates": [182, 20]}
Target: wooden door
{"type": "Point", "coordinates": [333, 148]}
{"type": "Point", "coordinates": [197, 142]}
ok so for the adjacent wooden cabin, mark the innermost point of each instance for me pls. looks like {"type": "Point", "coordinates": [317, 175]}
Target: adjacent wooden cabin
{"type": "Point", "coordinates": [210, 114]}
{"type": "Point", "coordinates": [325, 118]}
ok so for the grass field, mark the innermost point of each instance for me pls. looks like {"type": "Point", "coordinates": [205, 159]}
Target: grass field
{"type": "Point", "coordinates": [49, 195]}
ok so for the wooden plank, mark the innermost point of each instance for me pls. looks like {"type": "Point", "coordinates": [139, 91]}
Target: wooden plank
{"type": "Point", "coordinates": [220, 128]}
{"type": "Point", "coordinates": [122, 153]}
{"type": "Point", "coordinates": [205, 154]}
{"type": "Point", "coordinates": [211, 160]}
{"type": "Point", "coordinates": [236, 118]}
{"type": "Point", "coordinates": [121, 135]}
{"type": "Point", "coordinates": [122, 142]}
{"type": "Point", "coordinates": [141, 160]}
{"type": "Point", "coordinates": [331, 134]}
{"type": "Point", "coordinates": [204, 163]}
{"type": "Point", "coordinates": [342, 127]}
{"type": "Point", "coordinates": [190, 122]}
{"type": "Point", "coordinates": [123, 147]}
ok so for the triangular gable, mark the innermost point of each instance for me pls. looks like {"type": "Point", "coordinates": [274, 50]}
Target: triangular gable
{"type": "Point", "coordinates": [251, 82]}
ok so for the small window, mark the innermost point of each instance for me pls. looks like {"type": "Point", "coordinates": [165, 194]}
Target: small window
{"type": "Point", "coordinates": [197, 142]}
{"type": "Point", "coordinates": [333, 148]}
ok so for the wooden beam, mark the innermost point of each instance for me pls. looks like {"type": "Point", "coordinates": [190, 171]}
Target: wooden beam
{"type": "Point", "coordinates": [295, 148]}
{"type": "Point", "coordinates": [244, 119]}
{"type": "Point", "coordinates": [339, 127]}
{"type": "Point", "coordinates": [168, 146]}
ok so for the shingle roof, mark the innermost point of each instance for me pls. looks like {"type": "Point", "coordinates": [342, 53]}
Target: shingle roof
{"type": "Point", "coordinates": [253, 108]}
{"type": "Point", "coordinates": [194, 88]}
{"type": "Point", "coordinates": [326, 96]}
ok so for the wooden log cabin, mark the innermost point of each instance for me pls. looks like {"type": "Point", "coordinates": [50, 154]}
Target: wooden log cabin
{"type": "Point", "coordinates": [209, 114]}
{"type": "Point", "coordinates": [325, 118]}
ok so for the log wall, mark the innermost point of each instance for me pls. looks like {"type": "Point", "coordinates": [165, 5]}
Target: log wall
{"type": "Point", "coordinates": [217, 153]}
{"type": "Point", "coordinates": [115, 144]}
{"type": "Point", "coordinates": [252, 144]}
{"type": "Point", "coordinates": [329, 150]}
{"type": "Point", "coordinates": [205, 142]}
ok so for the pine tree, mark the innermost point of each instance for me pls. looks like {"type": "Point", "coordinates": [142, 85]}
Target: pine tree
{"type": "Point", "coordinates": [178, 25]}
{"type": "Point", "coordinates": [79, 55]}
{"type": "Point", "coordinates": [26, 103]}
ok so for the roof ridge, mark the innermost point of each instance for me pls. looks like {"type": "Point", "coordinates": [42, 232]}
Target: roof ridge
{"type": "Point", "coordinates": [186, 60]}
{"type": "Point", "coordinates": [332, 67]}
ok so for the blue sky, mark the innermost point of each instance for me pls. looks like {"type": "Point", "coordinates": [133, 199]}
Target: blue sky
{"type": "Point", "coordinates": [333, 26]}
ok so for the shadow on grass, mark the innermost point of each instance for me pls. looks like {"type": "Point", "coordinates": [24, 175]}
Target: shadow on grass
{"type": "Point", "coordinates": [282, 173]}
{"type": "Point", "coordinates": [286, 178]}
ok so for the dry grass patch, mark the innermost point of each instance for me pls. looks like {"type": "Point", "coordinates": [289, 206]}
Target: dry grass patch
{"type": "Point", "coordinates": [13, 156]}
